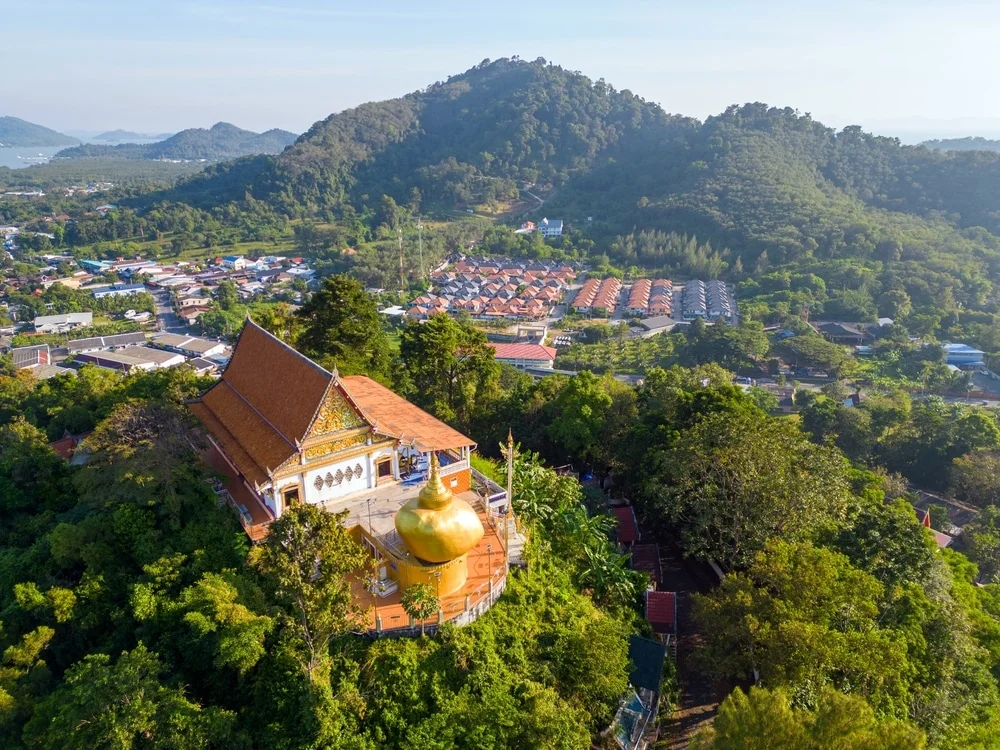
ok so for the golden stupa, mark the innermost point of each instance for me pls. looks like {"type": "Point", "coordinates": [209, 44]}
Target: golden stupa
{"type": "Point", "coordinates": [436, 526]}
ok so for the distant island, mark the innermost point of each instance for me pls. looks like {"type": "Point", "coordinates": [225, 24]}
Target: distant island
{"type": "Point", "coordinates": [17, 132]}
{"type": "Point", "coordinates": [130, 136]}
{"type": "Point", "coordinates": [221, 141]}
{"type": "Point", "coordinates": [968, 143]}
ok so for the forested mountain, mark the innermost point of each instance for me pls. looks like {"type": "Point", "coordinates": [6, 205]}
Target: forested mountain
{"type": "Point", "coordinates": [221, 141]}
{"type": "Point", "coordinates": [17, 132]}
{"type": "Point", "coordinates": [129, 136]}
{"type": "Point", "coordinates": [478, 136]}
{"type": "Point", "coordinates": [753, 178]}
{"type": "Point", "coordinates": [968, 143]}
{"type": "Point", "coordinates": [765, 178]}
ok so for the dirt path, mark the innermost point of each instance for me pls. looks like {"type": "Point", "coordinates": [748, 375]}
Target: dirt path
{"type": "Point", "coordinates": [698, 702]}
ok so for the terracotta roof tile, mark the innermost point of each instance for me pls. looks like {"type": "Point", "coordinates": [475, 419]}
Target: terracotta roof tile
{"type": "Point", "coordinates": [661, 611]}
{"type": "Point", "coordinates": [646, 557]}
{"type": "Point", "coordinates": [285, 387]}
{"type": "Point", "coordinates": [523, 351]}
{"type": "Point", "coordinates": [396, 416]}
{"type": "Point", "coordinates": [628, 529]}
{"type": "Point", "coordinates": [264, 402]}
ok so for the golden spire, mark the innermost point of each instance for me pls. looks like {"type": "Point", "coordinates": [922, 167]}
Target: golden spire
{"type": "Point", "coordinates": [434, 494]}
{"type": "Point", "coordinates": [436, 526]}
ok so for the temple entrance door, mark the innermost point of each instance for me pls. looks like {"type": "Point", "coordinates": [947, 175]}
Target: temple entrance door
{"type": "Point", "coordinates": [383, 470]}
{"type": "Point", "coordinates": [290, 496]}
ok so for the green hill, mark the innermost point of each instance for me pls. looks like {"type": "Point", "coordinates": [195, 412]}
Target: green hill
{"type": "Point", "coordinates": [968, 143]}
{"type": "Point", "coordinates": [477, 136]}
{"type": "Point", "coordinates": [129, 136]}
{"type": "Point", "coordinates": [17, 132]}
{"type": "Point", "coordinates": [221, 141]}
{"type": "Point", "coordinates": [753, 174]}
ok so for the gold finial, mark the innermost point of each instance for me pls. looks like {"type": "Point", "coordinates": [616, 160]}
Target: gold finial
{"type": "Point", "coordinates": [434, 494]}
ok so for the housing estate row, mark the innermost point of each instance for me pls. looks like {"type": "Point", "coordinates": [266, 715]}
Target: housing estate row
{"type": "Point", "coordinates": [495, 288]}
{"type": "Point", "coordinates": [654, 298]}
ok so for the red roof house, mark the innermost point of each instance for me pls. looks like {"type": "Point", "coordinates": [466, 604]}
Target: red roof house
{"type": "Point", "coordinates": [661, 611]}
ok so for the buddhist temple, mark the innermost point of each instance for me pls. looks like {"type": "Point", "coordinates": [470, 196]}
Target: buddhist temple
{"type": "Point", "coordinates": [282, 430]}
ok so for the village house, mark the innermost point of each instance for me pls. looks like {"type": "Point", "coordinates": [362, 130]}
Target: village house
{"type": "Point", "coordinates": [62, 323]}
{"type": "Point", "coordinates": [131, 359]}
{"type": "Point", "coordinates": [190, 346]}
{"type": "Point", "coordinates": [842, 333]}
{"type": "Point", "coordinates": [525, 356]}
{"type": "Point", "coordinates": [550, 227]}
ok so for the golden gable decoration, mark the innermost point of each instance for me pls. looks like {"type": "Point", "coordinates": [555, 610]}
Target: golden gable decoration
{"type": "Point", "coordinates": [335, 415]}
{"type": "Point", "coordinates": [318, 451]}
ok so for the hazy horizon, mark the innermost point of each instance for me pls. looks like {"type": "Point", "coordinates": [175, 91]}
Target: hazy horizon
{"type": "Point", "coordinates": [908, 69]}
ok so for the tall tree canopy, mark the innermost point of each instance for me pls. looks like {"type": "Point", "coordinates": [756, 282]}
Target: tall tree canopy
{"type": "Point", "coordinates": [448, 368]}
{"type": "Point", "coordinates": [342, 328]}
{"type": "Point", "coordinates": [735, 479]}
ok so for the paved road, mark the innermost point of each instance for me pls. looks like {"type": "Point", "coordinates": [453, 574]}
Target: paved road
{"type": "Point", "coordinates": [541, 202]}
{"type": "Point", "coordinates": [167, 320]}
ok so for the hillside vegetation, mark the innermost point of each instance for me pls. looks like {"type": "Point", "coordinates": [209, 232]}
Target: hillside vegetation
{"type": "Point", "coordinates": [969, 143]}
{"type": "Point", "coordinates": [475, 137]}
{"type": "Point", "coordinates": [845, 218]}
{"type": "Point", "coordinates": [17, 132]}
{"type": "Point", "coordinates": [221, 141]}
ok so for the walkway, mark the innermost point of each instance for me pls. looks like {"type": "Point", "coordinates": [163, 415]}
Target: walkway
{"type": "Point", "coordinates": [698, 702]}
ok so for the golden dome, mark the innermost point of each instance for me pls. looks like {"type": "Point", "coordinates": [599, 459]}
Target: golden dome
{"type": "Point", "coordinates": [437, 526]}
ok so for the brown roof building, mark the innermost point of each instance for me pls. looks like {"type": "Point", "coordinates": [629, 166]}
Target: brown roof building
{"type": "Point", "coordinates": [289, 431]}
{"type": "Point", "coordinates": [282, 431]}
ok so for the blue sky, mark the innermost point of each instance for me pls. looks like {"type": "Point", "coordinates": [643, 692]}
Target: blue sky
{"type": "Point", "coordinates": [895, 67]}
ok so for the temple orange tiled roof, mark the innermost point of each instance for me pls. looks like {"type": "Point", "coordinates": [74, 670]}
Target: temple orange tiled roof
{"type": "Point", "coordinates": [394, 415]}
{"type": "Point", "coordinates": [264, 402]}
{"type": "Point", "coordinates": [263, 405]}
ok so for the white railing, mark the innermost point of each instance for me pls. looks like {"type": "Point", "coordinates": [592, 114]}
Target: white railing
{"type": "Point", "coordinates": [453, 467]}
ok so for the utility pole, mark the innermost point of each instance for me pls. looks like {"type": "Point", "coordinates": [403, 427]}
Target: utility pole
{"type": "Point", "coordinates": [402, 277]}
{"type": "Point", "coordinates": [420, 246]}
{"type": "Point", "coordinates": [510, 500]}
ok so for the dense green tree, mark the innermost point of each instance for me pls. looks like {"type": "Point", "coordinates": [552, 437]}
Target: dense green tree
{"type": "Point", "coordinates": [582, 412]}
{"type": "Point", "coordinates": [124, 705]}
{"type": "Point", "coordinates": [448, 368]}
{"type": "Point", "coordinates": [342, 329]}
{"type": "Point", "coordinates": [767, 720]}
{"type": "Point", "coordinates": [802, 617]}
{"type": "Point", "coordinates": [227, 295]}
{"type": "Point", "coordinates": [420, 602]}
{"type": "Point", "coordinates": [734, 480]}
{"type": "Point", "coordinates": [975, 477]}
{"type": "Point", "coordinates": [305, 560]}
{"type": "Point", "coordinates": [982, 539]}
{"type": "Point", "coordinates": [732, 347]}
{"type": "Point", "coordinates": [885, 540]}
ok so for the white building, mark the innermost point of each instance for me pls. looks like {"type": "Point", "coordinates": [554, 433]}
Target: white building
{"type": "Point", "coordinates": [65, 322]}
{"type": "Point", "coordinates": [123, 290]}
{"type": "Point", "coordinates": [132, 359]}
{"type": "Point", "coordinates": [190, 346]}
{"type": "Point", "coordinates": [550, 227]}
